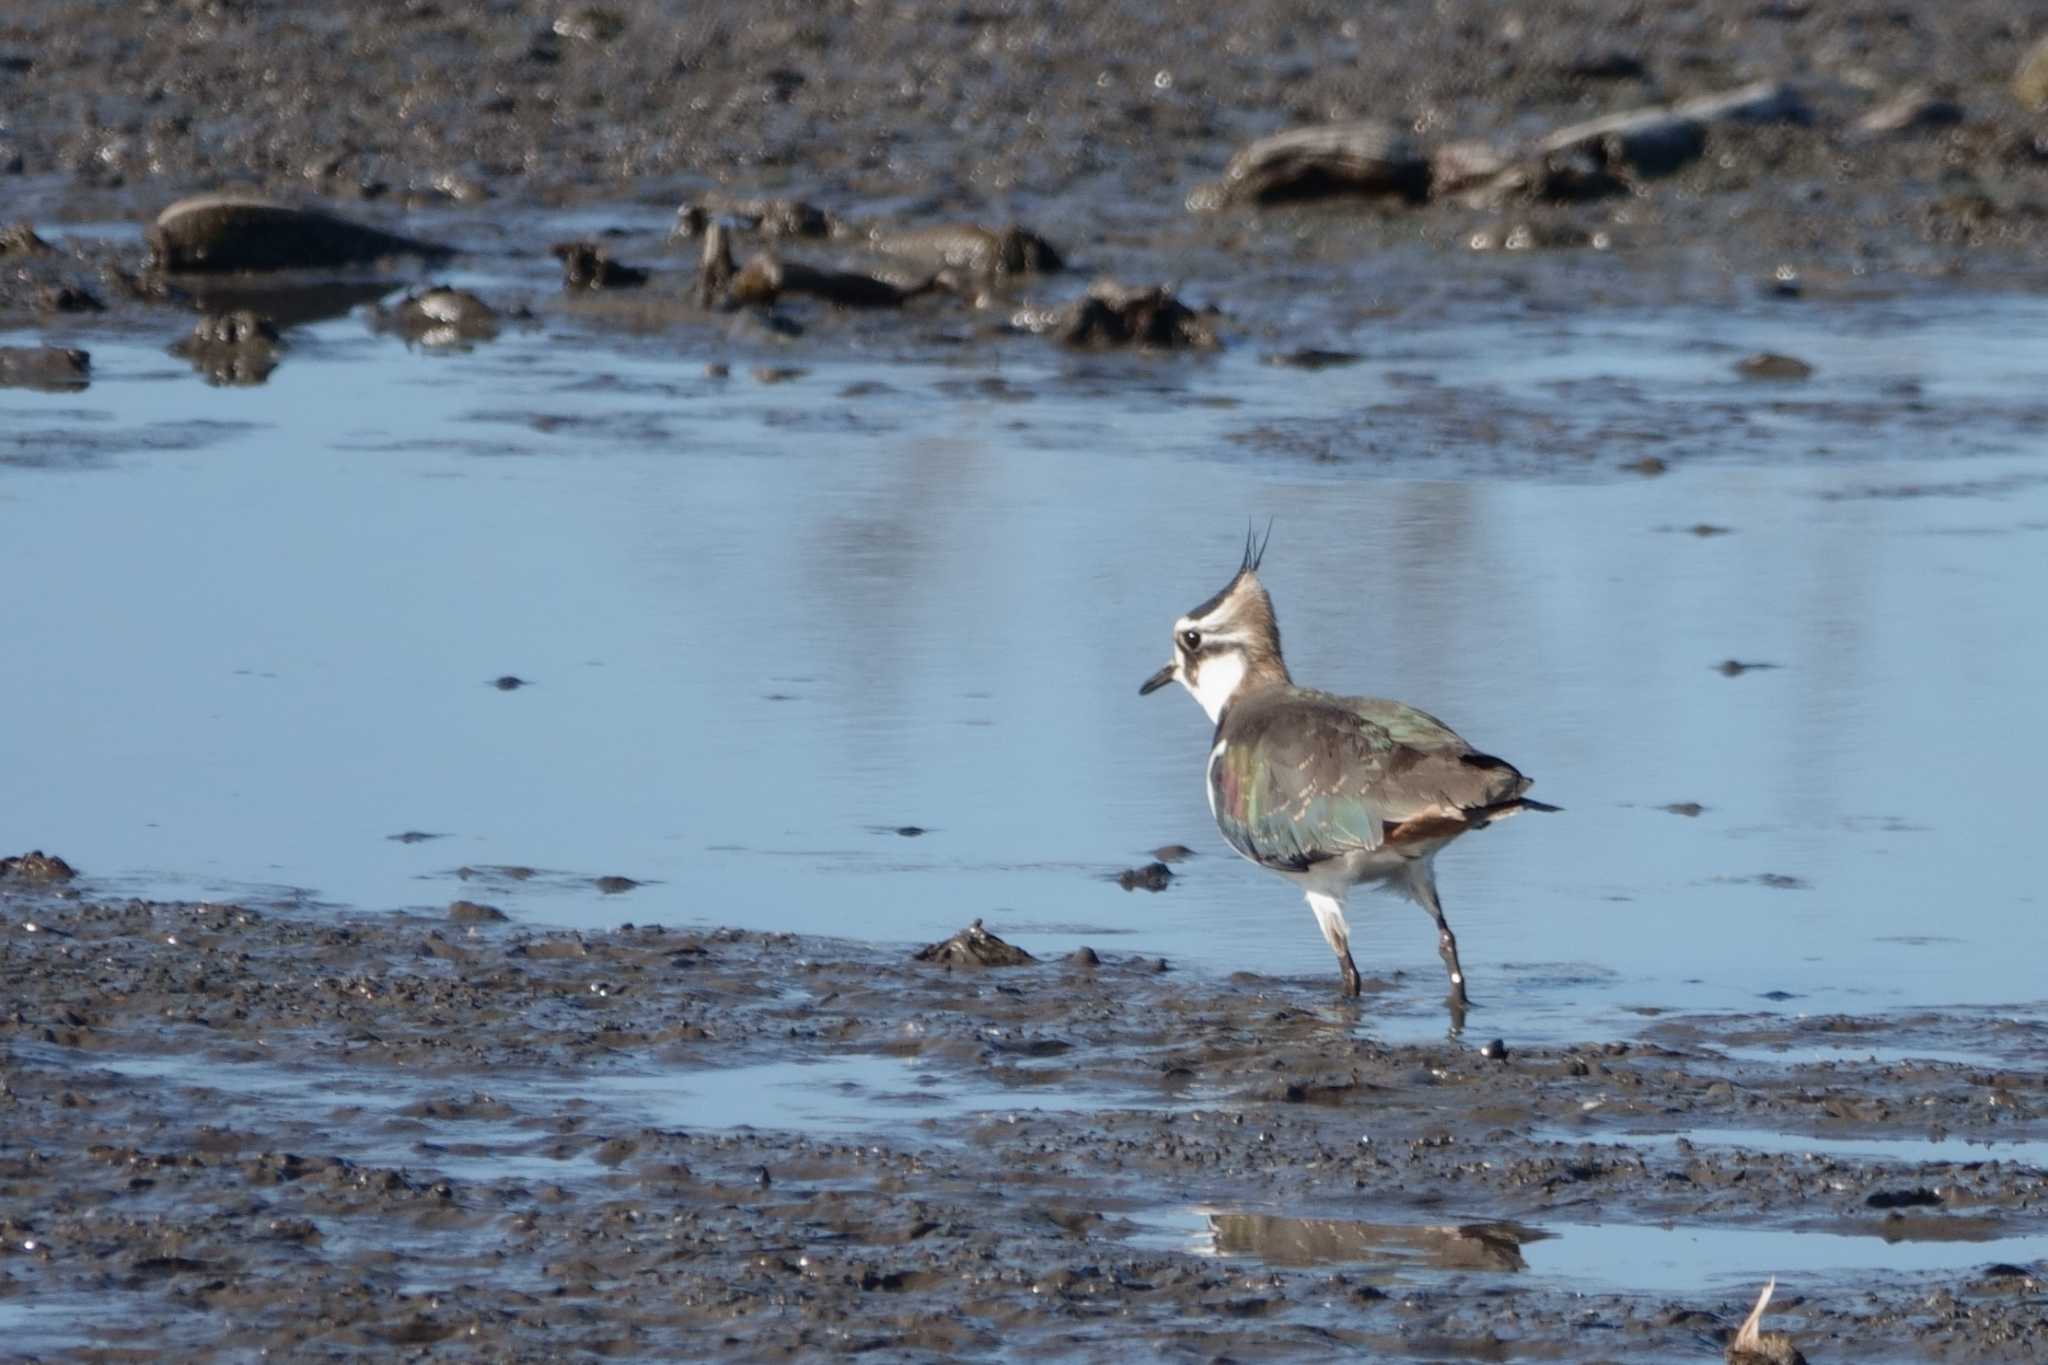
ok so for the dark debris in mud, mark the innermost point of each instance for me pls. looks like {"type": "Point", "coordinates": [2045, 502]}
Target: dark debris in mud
{"type": "Point", "coordinates": [36, 866]}
{"type": "Point", "coordinates": [1153, 876]}
{"type": "Point", "coordinates": [240, 1129]}
{"type": "Point", "coordinates": [974, 946]}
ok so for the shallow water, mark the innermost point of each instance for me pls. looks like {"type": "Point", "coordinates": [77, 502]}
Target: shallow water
{"type": "Point", "coordinates": [1590, 1257]}
{"type": "Point", "coordinates": [767, 624]}
{"type": "Point", "coordinates": [845, 1095]}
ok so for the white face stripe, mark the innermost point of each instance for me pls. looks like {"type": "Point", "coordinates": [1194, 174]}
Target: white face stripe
{"type": "Point", "coordinates": [1216, 678]}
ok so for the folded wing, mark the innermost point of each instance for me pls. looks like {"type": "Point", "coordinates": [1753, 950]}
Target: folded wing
{"type": "Point", "coordinates": [1306, 776]}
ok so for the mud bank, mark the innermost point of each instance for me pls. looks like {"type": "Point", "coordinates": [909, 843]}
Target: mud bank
{"type": "Point", "coordinates": [1898, 145]}
{"type": "Point", "coordinates": [230, 1129]}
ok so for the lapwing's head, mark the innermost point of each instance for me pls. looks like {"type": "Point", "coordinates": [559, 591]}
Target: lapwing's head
{"type": "Point", "coordinates": [1229, 643]}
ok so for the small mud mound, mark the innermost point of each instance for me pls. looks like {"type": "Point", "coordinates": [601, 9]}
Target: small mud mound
{"type": "Point", "coordinates": [38, 866]}
{"type": "Point", "coordinates": [974, 946]}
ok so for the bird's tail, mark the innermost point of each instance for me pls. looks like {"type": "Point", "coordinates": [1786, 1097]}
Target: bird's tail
{"type": "Point", "coordinates": [1501, 810]}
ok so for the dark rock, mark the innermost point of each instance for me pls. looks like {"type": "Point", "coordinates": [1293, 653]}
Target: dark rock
{"type": "Point", "coordinates": [36, 866]}
{"type": "Point", "coordinates": [586, 265]}
{"type": "Point", "coordinates": [1495, 1051]}
{"type": "Point", "coordinates": [235, 349]}
{"type": "Point", "coordinates": [613, 885]}
{"type": "Point", "coordinates": [1770, 365]}
{"type": "Point", "coordinates": [1173, 853]}
{"type": "Point", "coordinates": [1364, 159]}
{"type": "Point", "coordinates": [1645, 142]}
{"type": "Point", "coordinates": [1113, 314]}
{"type": "Point", "coordinates": [68, 298]}
{"type": "Point", "coordinates": [475, 912]}
{"type": "Point", "coordinates": [56, 368]}
{"type": "Point", "coordinates": [440, 316]}
{"type": "Point", "coordinates": [911, 831]}
{"type": "Point", "coordinates": [214, 232]}
{"type": "Point", "coordinates": [413, 836]}
{"type": "Point", "coordinates": [1150, 877]}
{"type": "Point", "coordinates": [1689, 809]}
{"type": "Point", "coordinates": [1310, 358]}
{"type": "Point", "coordinates": [509, 683]}
{"type": "Point", "coordinates": [974, 946]}
{"type": "Point", "coordinates": [1014, 250]}
{"type": "Point", "coordinates": [1083, 956]}
{"type": "Point", "coordinates": [1608, 64]}
{"type": "Point", "coordinates": [766, 278]}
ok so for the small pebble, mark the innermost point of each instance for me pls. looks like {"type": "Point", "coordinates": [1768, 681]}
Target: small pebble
{"type": "Point", "coordinates": [1770, 365]}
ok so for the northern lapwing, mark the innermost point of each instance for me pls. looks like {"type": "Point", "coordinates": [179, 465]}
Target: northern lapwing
{"type": "Point", "coordinates": [1331, 792]}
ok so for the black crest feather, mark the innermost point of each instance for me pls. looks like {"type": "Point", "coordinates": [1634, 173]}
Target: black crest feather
{"type": "Point", "coordinates": [1255, 547]}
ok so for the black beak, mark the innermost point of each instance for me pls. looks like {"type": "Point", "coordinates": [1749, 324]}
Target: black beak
{"type": "Point", "coordinates": [1157, 681]}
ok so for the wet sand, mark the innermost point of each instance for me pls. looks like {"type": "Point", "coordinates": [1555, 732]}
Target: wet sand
{"type": "Point", "coordinates": [231, 1130]}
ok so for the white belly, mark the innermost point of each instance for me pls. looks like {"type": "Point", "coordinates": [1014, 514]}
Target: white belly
{"type": "Point", "coordinates": [1382, 868]}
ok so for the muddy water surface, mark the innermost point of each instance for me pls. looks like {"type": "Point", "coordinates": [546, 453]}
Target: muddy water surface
{"type": "Point", "coordinates": [768, 625]}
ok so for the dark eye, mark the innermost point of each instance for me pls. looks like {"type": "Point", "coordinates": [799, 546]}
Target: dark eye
{"type": "Point", "coordinates": [1192, 639]}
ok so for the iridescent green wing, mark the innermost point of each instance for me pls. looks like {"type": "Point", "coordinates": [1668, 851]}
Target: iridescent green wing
{"type": "Point", "coordinates": [1304, 776]}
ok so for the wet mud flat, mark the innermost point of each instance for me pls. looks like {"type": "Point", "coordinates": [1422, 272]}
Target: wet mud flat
{"type": "Point", "coordinates": [236, 1128]}
{"type": "Point", "coordinates": [1791, 149]}
{"type": "Point", "coordinates": [1919, 126]}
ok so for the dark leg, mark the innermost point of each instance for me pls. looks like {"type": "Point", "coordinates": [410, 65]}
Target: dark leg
{"type": "Point", "coordinates": [1422, 882]}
